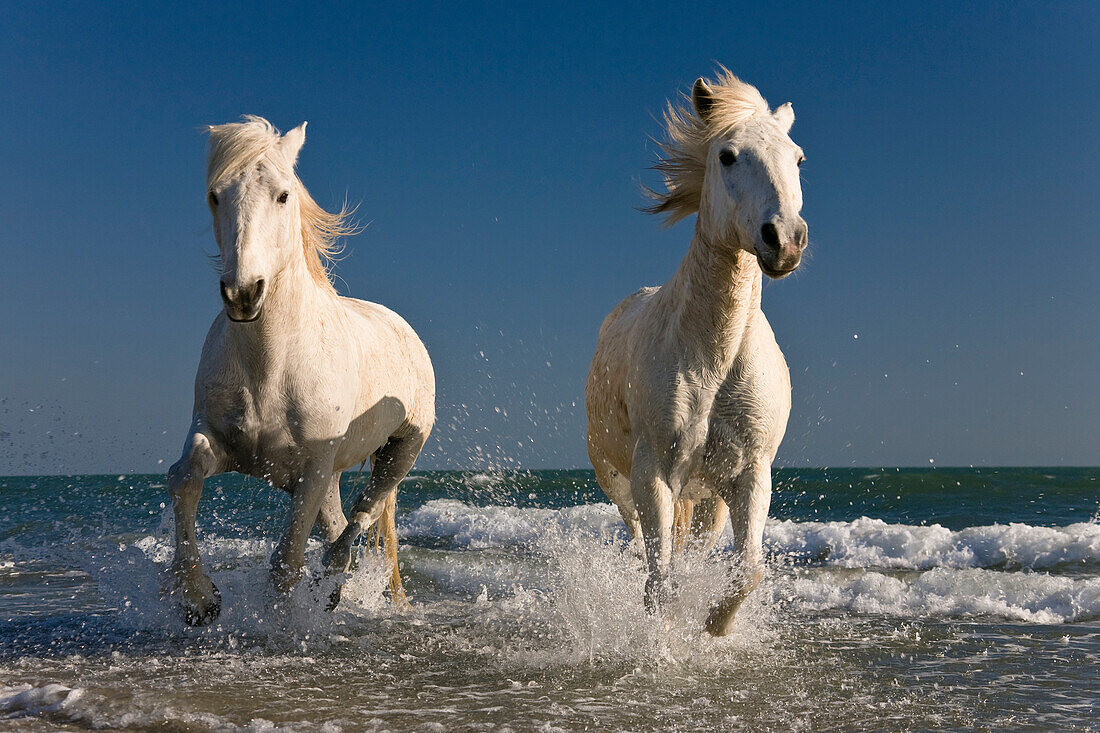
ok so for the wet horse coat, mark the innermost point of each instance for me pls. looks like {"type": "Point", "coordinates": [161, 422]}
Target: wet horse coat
{"type": "Point", "coordinates": [688, 393]}
{"type": "Point", "coordinates": [296, 383]}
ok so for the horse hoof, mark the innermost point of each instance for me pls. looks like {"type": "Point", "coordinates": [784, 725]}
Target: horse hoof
{"type": "Point", "coordinates": [206, 614]}
{"type": "Point", "coordinates": [334, 599]}
{"type": "Point", "coordinates": [720, 619]}
{"type": "Point", "coordinates": [657, 593]}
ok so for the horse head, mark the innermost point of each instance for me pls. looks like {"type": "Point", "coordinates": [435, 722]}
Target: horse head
{"type": "Point", "coordinates": [751, 193]}
{"type": "Point", "coordinates": [253, 195]}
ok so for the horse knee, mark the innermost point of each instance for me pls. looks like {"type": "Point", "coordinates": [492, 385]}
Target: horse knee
{"type": "Point", "coordinates": [197, 461]}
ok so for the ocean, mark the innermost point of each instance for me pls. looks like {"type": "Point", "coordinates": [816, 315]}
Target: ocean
{"type": "Point", "coordinates": [894, 599]}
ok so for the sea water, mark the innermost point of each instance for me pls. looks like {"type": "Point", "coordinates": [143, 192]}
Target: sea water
{"type": "Point", "coordinates": [894, 599]}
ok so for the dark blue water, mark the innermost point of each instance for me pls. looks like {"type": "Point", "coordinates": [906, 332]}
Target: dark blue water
{"type": "Point", "coordinates": [897, 599]}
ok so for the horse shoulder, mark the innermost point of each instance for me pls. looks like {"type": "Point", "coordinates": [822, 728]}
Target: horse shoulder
{"type": "Point", "coordinates": [607, 385]}
{"type": "Point", "coordinates": [394, 361]}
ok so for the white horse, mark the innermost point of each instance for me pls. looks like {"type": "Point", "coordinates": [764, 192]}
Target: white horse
{"type": "Point", "coordinates": [296, 384]}
{"type": "Point", "coordinates": [688, 394]}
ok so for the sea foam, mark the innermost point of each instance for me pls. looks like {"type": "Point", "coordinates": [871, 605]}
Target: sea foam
{"type": "Point", "coordinates": [863, 542]}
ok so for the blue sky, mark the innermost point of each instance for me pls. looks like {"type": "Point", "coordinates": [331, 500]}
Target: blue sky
{"type": "Point", "coordinates": [496, 152]}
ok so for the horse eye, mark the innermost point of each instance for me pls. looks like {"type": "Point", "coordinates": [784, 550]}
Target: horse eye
{"type": "Point", "coordinates": [213, 198]}
{"type": "Point", "coordinates": [283, 197]}
{"type": "Point", "coordinates": [726, 157]}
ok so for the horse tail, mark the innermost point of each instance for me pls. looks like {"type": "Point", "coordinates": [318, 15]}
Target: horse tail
{"type": "Point", "coordinates": [387, 531]}
{"type": "Point", "coordinates": [681, 522]}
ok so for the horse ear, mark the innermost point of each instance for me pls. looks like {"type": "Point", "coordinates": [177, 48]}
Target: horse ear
{"type": "Point", "coordinates": [784, 115]}
{"type": "Point", "coordinates": [702, 98]}
{"type": "Point", "coordinates": [292, 142]}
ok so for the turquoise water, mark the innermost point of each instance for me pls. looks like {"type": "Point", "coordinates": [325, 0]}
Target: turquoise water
{"type": "Point", "coordinates": [894, 600]}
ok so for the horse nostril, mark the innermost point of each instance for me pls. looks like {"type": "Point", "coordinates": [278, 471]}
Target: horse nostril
{"type": "Point", "coordinates": [225, 292]}
{"type": "Point", "coordinates": [258, 289]}
{"type": "Point", "coordinates": [770, 234]}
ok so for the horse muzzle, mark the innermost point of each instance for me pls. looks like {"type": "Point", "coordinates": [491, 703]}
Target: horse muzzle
{"type": "Point", "coordinates": [243, 302]}
{"type": "Point", "coordinates": [780, 250]}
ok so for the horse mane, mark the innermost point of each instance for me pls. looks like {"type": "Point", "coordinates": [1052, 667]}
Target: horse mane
{"type": "Point", "coordinates": [683, 157]}
{"type": "Point", "coordinates": [239, 145]}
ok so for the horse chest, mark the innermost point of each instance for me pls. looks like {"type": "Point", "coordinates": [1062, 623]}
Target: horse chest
{"type": "Point", "coordinates": [716, 415]}
{"type": "Point", "coordinates": [258, 434]}
{"type": "Point", "coordinates": [690, 409]}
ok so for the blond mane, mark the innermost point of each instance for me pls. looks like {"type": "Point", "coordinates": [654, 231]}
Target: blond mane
{"type": "Point", "coordinates": [239, 145]}
{"type": "Point", "coordinates": [683, 157]}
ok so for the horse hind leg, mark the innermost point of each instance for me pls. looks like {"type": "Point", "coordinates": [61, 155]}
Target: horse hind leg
{"type": "Point", "coordinates": [683, 512]}
{"type": "Point", "coordinates": [707, 522]}
{"type": "Point", "coordinates": [392, 463]}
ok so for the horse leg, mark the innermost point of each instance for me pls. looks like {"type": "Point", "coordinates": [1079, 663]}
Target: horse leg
{"type": "Point", "coordinates": [314, 486]}
{"type": "Point", "coordinates": [707, 522]}
{"type": "Point", "coordinates": [630, 516]}
{"type": "Point", "coordinates": [392, 463]}
{"type": "Point", "coordinates": [748, 497]}
{"type": "Point", "coordinates": [199, 598]}
{"type": "Point", "coordinates": [331, 520]}
{"type": "Point", "coordinates": [653, 501]}
{"type": "Point", "coordinates": [617, 488]}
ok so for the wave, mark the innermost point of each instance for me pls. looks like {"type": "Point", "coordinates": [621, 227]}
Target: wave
{"type": "Point", "coordinates": [867, 543]}
{"type": "Point", "coordinates": [852, 566]}
{"type": "Point", "coordinates": [465, 526]}
{"type": "Point", "coordinates": [861, 543]}
{"type": "Point", "coordinates": [945, 593]}
{"type": "Point", "coordinates": [576, 566]}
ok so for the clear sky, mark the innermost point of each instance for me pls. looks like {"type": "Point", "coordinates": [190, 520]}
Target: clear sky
{"type": "Point", "coordinates": [496, 152]}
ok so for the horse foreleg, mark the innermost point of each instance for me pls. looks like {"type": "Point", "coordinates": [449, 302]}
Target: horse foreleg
{"type": "Point", "coordinates": [748, 497]}
{"type": "Point", "coordinates": [331, 520]}
{"type": "Point", "coordinates": [653, 501]}
{"type": "Point", "coordinates": [392, 463]}
{"type": "Point", "coordinates": [188, 583]}
{"type": "Point", "coordinates": [305, 507]}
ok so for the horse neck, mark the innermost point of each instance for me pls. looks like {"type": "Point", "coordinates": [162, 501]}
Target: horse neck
{"type": "Point", "coordinates": [291, 316]}
{"type": "Point", "coordinates": [718, 287]}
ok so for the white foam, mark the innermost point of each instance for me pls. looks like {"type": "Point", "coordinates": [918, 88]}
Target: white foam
{"type": "Point", "coordinates": [943, 592]}
{"type": "Point", "coordinates": [584, 546]}
{"type": "Point", "coordinates": [873, 543]}
{"type": "Point", "coordinates": [864, 542]}
{"type": "Point", "coordinates": [464, 525]}
{"type": "Point", "coordinates": [132, 579]}
{"type": "Point", "coordinates": [570, 568]}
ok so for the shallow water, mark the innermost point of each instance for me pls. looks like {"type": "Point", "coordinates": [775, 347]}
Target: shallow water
{"type": "Point", "coordinates": [894, 600]}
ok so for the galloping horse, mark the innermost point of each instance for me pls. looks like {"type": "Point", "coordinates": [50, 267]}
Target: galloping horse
{"type": "Point", "coordinates": [296, 384]}
{"type": "Point", "coordinates": [688, 394]}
